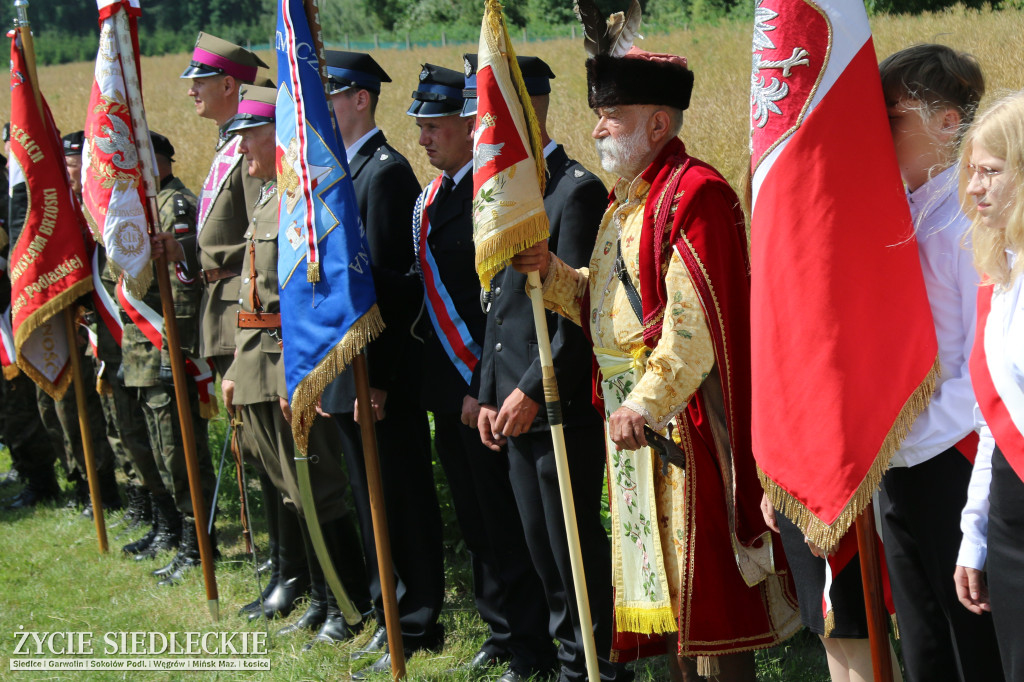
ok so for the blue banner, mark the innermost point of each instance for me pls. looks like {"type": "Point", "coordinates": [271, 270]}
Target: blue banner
{"type": "Point", "coordinates": [328, 303]}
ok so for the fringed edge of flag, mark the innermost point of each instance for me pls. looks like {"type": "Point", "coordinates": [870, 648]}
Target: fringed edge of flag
{"type": "Point", "coordinates": [308, 392]}
{"type": "Point", "coordinates": [827, 536]}
{"type": "Point", "coordinates": [10, 372]}
{"type": "Point", "coordinates": [41, 316]}
{"type": "Point", "coordinates": [645, 620]}
{"type": "Point", "coordinates": [707, 666]}
{"type": "Point", "coordinates": [494, 254]}
{"type": "Point", "coordinates": [136, 286]}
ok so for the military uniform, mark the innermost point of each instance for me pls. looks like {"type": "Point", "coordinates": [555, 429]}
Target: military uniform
{"type": "Point", "coordinates": [147, 369]}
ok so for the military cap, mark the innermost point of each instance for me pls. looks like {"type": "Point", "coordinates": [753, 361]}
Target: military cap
{"type": "Point", "coordinates": [213, 56]}
{"type": "Point", "coordinates": [161, 145]}
{"type": "Point", "coordinates": [439, 93]}
{"type": "Point", "coordinates": [536, 74]}
{"type": "Point", "coordinates": [255, 108]}
{"type": "Point", "coordinates": [354, 69]}
{"type": "Point", "coordinates": [73, 143]}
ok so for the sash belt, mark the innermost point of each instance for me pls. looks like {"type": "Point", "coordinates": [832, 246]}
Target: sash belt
{"type": "Point", "coordinates": [259, 320]}
{"type": "Point", "coordinates": [216, 274]}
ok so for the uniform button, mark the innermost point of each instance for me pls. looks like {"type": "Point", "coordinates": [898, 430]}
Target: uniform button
{"type": "Point", "coordinates": [245, 281]}
{"type": "Point", "coordinates": [607, 292]}
{"type": "Point", "coordinates": [268, 235]}
{"type": "Point", "coordinates": [239, 301]}
{"type": "Point", "coordinates": [497, 321]}
{"type": "Point", "coordinates": [497, 291]}
{"type": "Point", "coordinates": [497, 347]}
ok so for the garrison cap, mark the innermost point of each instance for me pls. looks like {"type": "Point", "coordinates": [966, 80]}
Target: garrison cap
{"type": "Point", "coordinates": [255, 108]}
{"type": "Point", "coordinates": [161, 145]}
{"type": "Point", "coordinates": [354, 69]}
{"type": "Point", "coordinates": [73, 143]}
{"type": "Point", "coordinates": [536, 74]}
{"type": "Point", "coordinates": [213, 56]}
{"type": "Point", "coordinates": [439, 93]}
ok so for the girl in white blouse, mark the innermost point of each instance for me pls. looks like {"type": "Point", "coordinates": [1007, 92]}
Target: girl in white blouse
{"type": "Point", "coordinates": [990, 571]}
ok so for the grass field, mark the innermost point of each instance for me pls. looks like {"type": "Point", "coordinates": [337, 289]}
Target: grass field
{"type": "Point", "coordinates": [51, 577]}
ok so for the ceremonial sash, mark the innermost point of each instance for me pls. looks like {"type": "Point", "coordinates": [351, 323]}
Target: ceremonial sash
{"type": "Point", "coordinates": [227, 158]}
{"type": "Point", "coordinates": [1000, 399]}
{"type": "Point", "coordinates": [151, 324]}
{"type": "Point", "coordinates": [642, 598]}
{"type": "Point", "coordinates": [105, 306]}
{"type": "Point", "coordinates": [451, 330]}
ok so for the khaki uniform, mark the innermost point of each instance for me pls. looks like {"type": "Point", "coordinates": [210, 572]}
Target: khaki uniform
{"type": "Point", "coordinates": [258, 373]}
{"type": "Point", "coordinates": [148, 369]}
{"type": "Point", "coordinates": [220, 243]}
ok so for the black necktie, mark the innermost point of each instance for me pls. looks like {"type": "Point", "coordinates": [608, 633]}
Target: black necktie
{"type": "Point", "coordinates": [446, 188]}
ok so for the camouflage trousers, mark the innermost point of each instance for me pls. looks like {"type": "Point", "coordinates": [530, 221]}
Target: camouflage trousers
{"type": "Point", "coordinates": [60, 418]}
{"type": "Point", "coordinates": [127, 434]}
{"type": "Point", "coordinates": [265, 432]}
{"type": "Point", "coordinates": [161, 413]}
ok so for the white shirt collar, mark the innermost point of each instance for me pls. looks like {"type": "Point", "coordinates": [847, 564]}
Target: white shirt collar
{"type": "Point", "coordinates": [356, 146]}
{"type": "Point", "coordinates": [551, 146]}
{"type": "Point", "coordinates": [457, 178]}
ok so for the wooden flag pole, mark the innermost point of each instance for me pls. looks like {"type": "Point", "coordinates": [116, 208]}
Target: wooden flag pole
{"type": "Point", "coordinates": [24, 29]}
{"type": "Point", "coordinates": [554, 411]}
{"type": "Point", "coordinates": [126, 49]}
{"type": "Point", "coordinates": [83, 425]}
{"type": "Point", "coordinates": [874, 596]}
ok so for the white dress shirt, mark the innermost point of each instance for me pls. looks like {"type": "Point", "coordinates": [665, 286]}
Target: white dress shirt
{"type": "Point", "coordinates": [1006, 327]}
{"type": "Point", "coordinates": [952, 285]}
{"type": "Point", "coordinates": [355, 147]}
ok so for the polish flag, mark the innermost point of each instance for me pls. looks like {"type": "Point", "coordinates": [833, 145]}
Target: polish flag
{"type": "Point", "coordinates": [843, 347]}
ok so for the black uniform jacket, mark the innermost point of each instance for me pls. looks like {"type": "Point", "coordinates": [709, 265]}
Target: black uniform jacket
{"type": "Point", "coordinates": [575, 200]}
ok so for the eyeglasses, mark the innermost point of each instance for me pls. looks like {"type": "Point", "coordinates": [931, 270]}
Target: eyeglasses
{"type": "Point", "coordinates": [983, 173]}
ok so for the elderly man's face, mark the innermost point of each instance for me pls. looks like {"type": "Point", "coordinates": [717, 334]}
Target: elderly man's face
{"type": "Point", "coordinates": [622, 139]}
{"type": "Point", "coordinates": [260, 151]}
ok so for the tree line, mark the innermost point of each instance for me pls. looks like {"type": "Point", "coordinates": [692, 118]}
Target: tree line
{"type": "Point", "coordinates": [67, 32]}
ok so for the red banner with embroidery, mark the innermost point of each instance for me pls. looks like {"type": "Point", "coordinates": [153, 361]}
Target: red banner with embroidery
{"type": "Point", "coordinates": [844, 356]}
{"type": "Point", "coordinates": [112, 186]}
{"type": "Point", "coordinates": [151, 324]}
{"type": "Point", "coordinates": [49, 263]}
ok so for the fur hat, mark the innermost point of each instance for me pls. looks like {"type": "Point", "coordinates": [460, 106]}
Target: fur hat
{"type": "Point", "coordinates": [638, 77]}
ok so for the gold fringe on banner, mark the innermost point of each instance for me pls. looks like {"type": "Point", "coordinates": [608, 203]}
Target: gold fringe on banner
{"type": "Point", "coordinates": [11, 371]}
{"type": "Point", "coordinates": [825, 535]}
{"type": "Point", "coordinates": [138, 286]}
{"type": "Point", "coordinates": [40, 317]}
{"type": "Point", "coordinates": [312, 273]}
{"type": "Point", "coordinates": [307, 393]}
{"type": "Point", "coordinates": [494, 254]}
{"type": "Point", "coordinates": [707, 666]}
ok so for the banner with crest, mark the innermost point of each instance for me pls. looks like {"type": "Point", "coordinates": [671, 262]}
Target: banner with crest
{"type": "Point", "coordinates": [328, 302]}
{"type": "Point", "coordinates": [48, 261]}
{"type": "Point", "coordinates": [112, 187]}
{"type": "Point", "coordinates": [843, 346]}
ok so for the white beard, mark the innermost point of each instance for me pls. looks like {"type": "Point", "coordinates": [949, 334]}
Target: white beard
{"type": "Point", "coordinates": [623, 156]}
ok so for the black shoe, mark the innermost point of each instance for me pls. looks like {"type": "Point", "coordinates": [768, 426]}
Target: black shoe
{"type": "Point", "coordinates": [142, 543]}
{"type": "Point", "coordinates": [379, 667]}
{"type": "Point", "coordinates": [188, 556]}
{"type": "Point", "coordinates": [9, 478]}
{"type": "Point", "coordinates": [510, 675]}
{"type": "Point", "coordinates": [480, 664]}
{"type": "Point", "coordinates": [334, 629]}
{"type": "Point", "coordinates": [168, 528]}
{"type": "Point", "coordinates": [374, 647]}
{"type": "Point", "coordinates": [311, 620]}
{"type": "Point", "coordinates": [30, 497]}
{"type": "Point", "coordinates": [254, 609]}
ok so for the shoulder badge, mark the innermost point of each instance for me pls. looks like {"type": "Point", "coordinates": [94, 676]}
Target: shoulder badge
{"type": "Point", "coordinates": [467, 66]}
{"type": "Point", "coordinates": [384, 157]}
{"type": "Point", "coordinates": [578, 172]}
{"type": "Point", "coordinates": [180, 205]}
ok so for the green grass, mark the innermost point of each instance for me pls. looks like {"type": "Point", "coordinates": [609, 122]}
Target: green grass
{"type": "Point", "coordinates": [53, 578]}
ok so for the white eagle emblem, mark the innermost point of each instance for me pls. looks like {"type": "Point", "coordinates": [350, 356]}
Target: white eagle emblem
{"type": "Point", "coordinates": [118, 144]}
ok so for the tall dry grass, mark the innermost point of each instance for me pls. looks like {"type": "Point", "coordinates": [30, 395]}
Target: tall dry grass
{"type": "Point", "coordinates": [716, 127]}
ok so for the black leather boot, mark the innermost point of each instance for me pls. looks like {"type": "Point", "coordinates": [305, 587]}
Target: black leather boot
{"type": "Point", "coordinates": [293, 579]}
{"type": "Point", "coordinates": [346, 554]}
{"type": "Point", "coordinates": [316, 610]}
{"type": "Point", "coordinates": [140, 507]}
{"type": "Point", "coordinates": [271, 504]}
{"type": "Point", "coordinates": [188, 556]}
{"type": "Point", "coordinates": [168, 528]}
{"type": "Point", "coordinates": [146, 540]}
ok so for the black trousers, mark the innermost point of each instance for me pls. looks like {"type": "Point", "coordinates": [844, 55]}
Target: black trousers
{"type": "Point", "coordinates": [414, 519]}
{"type": "Point", "coordinates": [1005, 567]}
{"type": "Point", "coordinates": [508, 592]}
{"type": "Point", "coordinates": [920, 510]}
{"type": "Point", "coordinates": [534, 480]}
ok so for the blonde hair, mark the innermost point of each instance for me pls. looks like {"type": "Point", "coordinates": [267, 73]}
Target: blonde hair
{"type": "Point", "coordinates": [1000, 130]}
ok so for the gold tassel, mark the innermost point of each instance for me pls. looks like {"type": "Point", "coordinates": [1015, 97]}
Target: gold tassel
{"type": "Point", "coordinates": [895, 626]}
{"type": "Point", "coordinates": [10, 372]}
{"type": "Point", "coordinates": [313, 272]}
{"type": "Point", "coordinates": [103, 387]}
{"type": "Point", "coordinates": [827, 536]}
{"type": "Point", "coordinates": [307, 393]}
{"type": "Point", "coordinates": [646, 621]}
{"type": "Point", "coordinates": [495, 253]}
{"type": "Point", "coordinates": [707, 666]}
{"type": "Point", "coordinates": [830, 622]}
{"type": "Point", "coordinates": [138, 286]}
{"type": "Point", "coordinates": [209, 409]}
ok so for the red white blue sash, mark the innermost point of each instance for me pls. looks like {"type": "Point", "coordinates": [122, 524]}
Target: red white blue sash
{"type": "Point", "coordinates": [227, 158]}
{"type": "Point", "coordinates": [451, 330]}
{"type": "Point", "coordinates": [151, 324]}
{"type": "Point", "coordinates": [1000, 399]}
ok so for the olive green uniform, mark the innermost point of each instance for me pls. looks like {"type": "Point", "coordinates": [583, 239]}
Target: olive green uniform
{"type": "Point", "coordinates": [258, 373]}
{"type": "Point", "coordinates": [147, 368]}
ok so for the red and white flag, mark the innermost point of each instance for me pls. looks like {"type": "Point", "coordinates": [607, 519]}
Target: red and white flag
{"type": "Point", "coordinates": [49, 263]}
{"type": "Point", "coordinates": [843, 345]}
{"type": "Point", "coordinates": [112, 186]}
